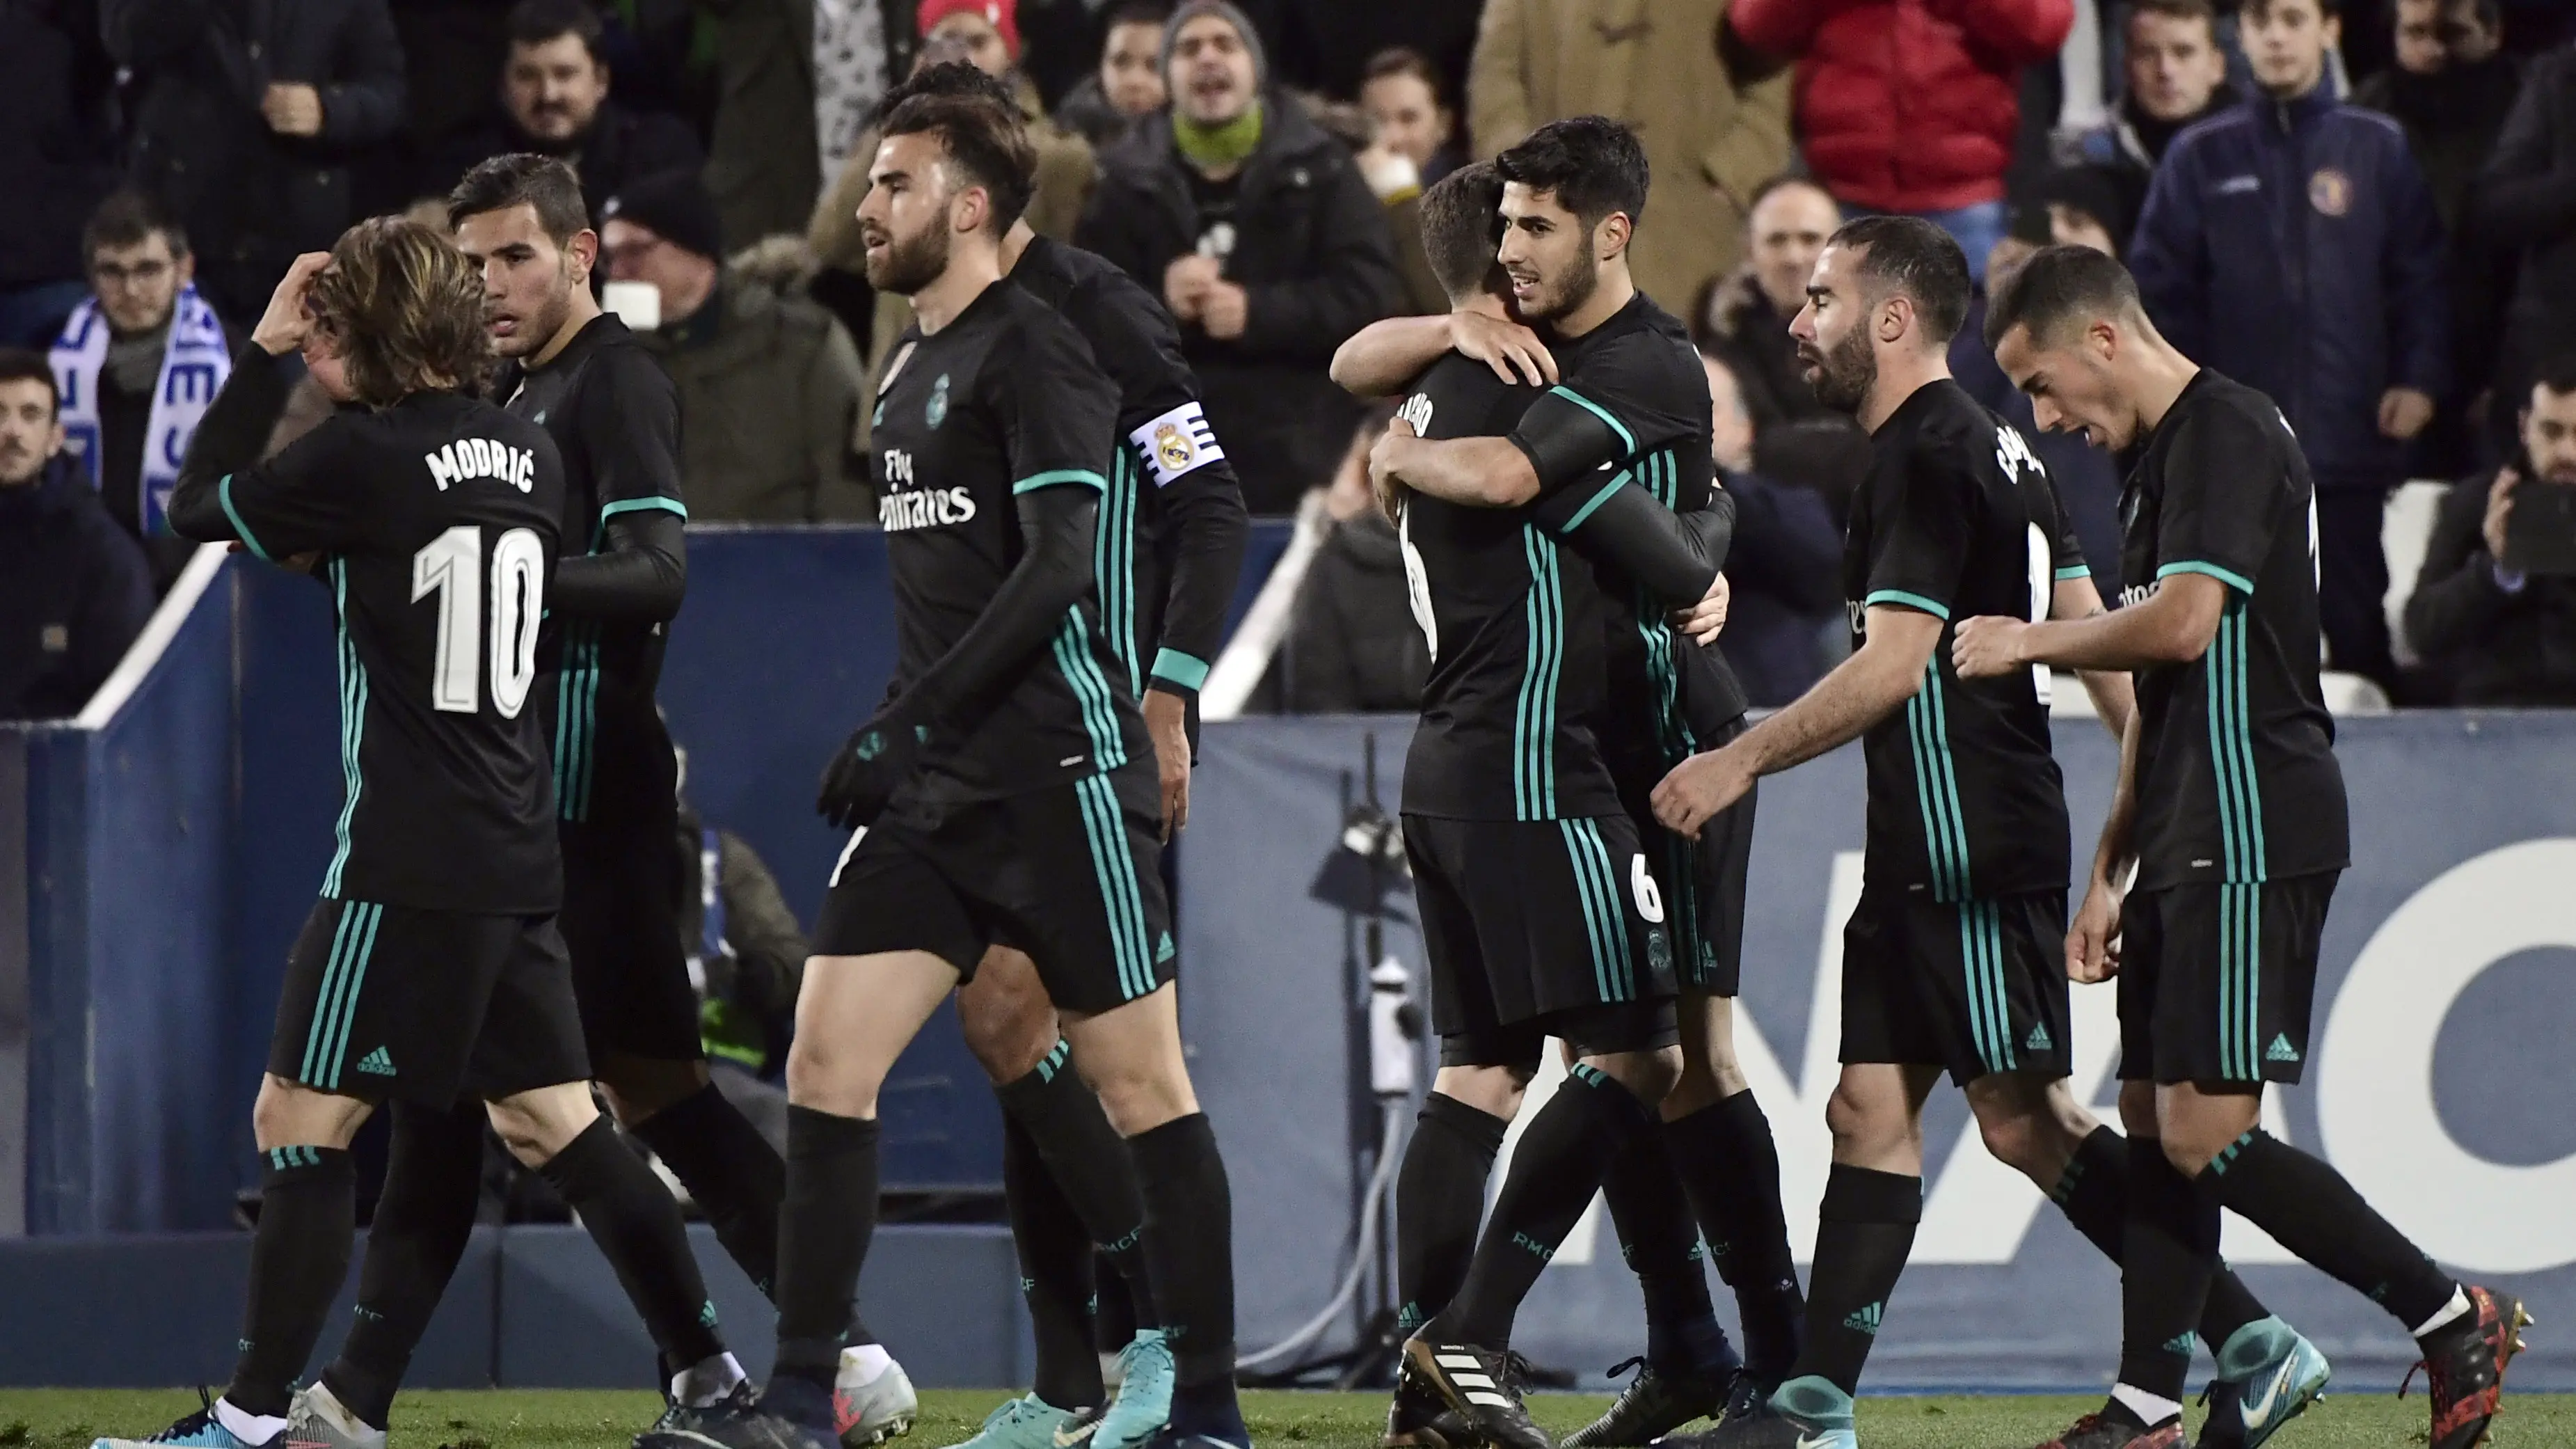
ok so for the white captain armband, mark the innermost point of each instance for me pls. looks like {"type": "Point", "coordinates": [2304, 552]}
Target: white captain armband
{"type": "Point", "coordinates": [1177, 443]}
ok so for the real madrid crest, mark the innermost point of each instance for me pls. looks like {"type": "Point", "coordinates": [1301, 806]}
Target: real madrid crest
{"type": "Point", "coordinates": [1173, 448]}
{"type": "Point", "coordinates": [936, 411]}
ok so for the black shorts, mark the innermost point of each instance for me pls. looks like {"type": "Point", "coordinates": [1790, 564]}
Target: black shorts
{"type": "Point", "coordinates": [2217, 981]}
{"type": "Point", "coordinates": [1069, 874]}
{"type": "Point", "coordinates": [620, 921]}
{"type": "Point", "coordinates": [1540, 928]}
{"type": "Point", "coordinates": [426, 1006]}
{"type": "Point", "coordinates": [1974, 986]}
{"type": "Point", "coordinates": [1703, 880]}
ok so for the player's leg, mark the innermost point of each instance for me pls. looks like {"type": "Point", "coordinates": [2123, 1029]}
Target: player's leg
{"type": "Point", "coordinates": [425, 1216]}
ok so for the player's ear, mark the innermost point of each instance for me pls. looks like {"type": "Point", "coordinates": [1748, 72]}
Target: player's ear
{"type": "Point", "coordinates": [1894, 316]}
{"type": "Point", "coordinates": [1611, 237]}
{"type": "Point", "coordinates": [581, 254]}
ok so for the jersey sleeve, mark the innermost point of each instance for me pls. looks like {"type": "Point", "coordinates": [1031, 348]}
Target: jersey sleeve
{"type": "Point", "coordinates": [1631, 397]}
{"type": "Point", "coordinates": [1919, 544]}
{"type": "Point", "coordinates": [2223, 489]}
{"type": "Point", "coordinates": [1058, 408]}
{"type": "Point", "coordinates": [307, 499]}
{"type": "Point", "coordinates": [630, 430]}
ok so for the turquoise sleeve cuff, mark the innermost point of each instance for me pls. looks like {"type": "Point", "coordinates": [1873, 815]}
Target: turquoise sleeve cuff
{"type": "Point", "coordinates": [1186, 670]}
{"type": "Point", "coordinates": [2229, 577]}
{"type": "Point", "coordinates": [1626, 437]}
{"type": "Point", "coordinates": [1912, 601]}
{"type": "Point", "coordinates": [2074, 571]}
{"type": "Point", "coordinates": [1055, 476]}
{"type": "Point", "coordinates": [224, 495]}
{"type": "Point", "coordinates": [639, 505]}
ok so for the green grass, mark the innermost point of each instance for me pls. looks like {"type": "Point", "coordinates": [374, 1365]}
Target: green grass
{"type": "Point", "coordinates": [561, 1419]}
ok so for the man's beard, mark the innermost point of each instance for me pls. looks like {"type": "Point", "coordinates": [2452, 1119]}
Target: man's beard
{"type": "Point", "coordinates": [1577, 290]}
{"type": "Point", "coordinates": [906, 265]}
{"type": "Point", "coordinates": [1844, 376]}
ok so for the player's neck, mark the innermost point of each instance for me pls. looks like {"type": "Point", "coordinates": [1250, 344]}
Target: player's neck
{"type": "Point", "coordinates": [584, 310]}
{"type": "Point", "coordinates": [2158, 380]}
{"type": "Point", "coordinates": [971, 269]}
{"type": "Point", "coordinates": [1616, 290]}
{"type": "Point", "coordinates": [1016, 245]}
{"type": "Point", "coordinates": [1900, 376]}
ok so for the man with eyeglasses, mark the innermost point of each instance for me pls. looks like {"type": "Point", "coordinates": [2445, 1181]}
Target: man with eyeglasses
{"type": "Point", "coordinates": [137, 365]}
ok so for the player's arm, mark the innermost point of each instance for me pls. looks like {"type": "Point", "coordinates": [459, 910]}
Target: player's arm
{"type": "Point", "coordinates": [638, 568]}
{"type": "Point", "coordinates": [1879, 676]}
{"type": "Point", "coordinates": [294, 503]}
{"type": "Point", "coordinates": [2114, 697]}
{"type": "Point", "coordinates": [2092, 953]}
{"type": "Point", "coordinates": [1379, 359]}
{"type": "Point", "coordinates": [2172, 627]}
{"type": "Point", "coordinates": [1675, 556]}
{"type": "Point", "coordinates": [1562, 439]}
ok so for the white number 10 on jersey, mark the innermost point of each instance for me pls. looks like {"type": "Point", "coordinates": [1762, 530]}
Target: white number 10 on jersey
{"type": "Point", "coordinates": [452, 568]}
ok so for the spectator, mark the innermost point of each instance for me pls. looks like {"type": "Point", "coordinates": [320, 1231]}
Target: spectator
{"type": "Point", "coordinates": [1743, 320]}
{"type": "Point", "coordinates": [245, 122]}
{"type": "Point", "coordinates": [1128, 82]}
{"type": "Point", "coordinates": [1397, 184]}
{"type": "Point", "coordinates": [135, 368]}
{"type": "Point", "coordinates": [769, 383]}
{"type": "Point", "coordinates": [2291, 244]}
{"type": "Point", "coordinates": [2505, 638]}
{"type": "Point", "coordinates": [1911, 105]}
{"type": "Point", "coordinates": [764, 161]}
{"type": "Point", "coordinates": [1409, 115]}
{"type": "Point", "coordinates": [2176, 75]}
{"type": "Point", "coordinates": [1353, 646]}
{"type": "Point", "coordinates": [2524, 204]}
{"type": "Point", "coordinates": [1784, 567]}
{"type": "Point", "coordinates": [54, 160]}
{"type": "Point", "coordinates": [1258, 230]}
{"type": "Point", "coordinates": [1710, 142]}
{"type": "Point", "coordinates": [74, 590]}
{"type": "Point", "coordinates": [851, 68]}
{"type": "Point", "coordinates": [555, 102]}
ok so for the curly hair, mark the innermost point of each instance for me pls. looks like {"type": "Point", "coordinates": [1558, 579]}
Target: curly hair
{"type": "Point", "coordinates": [405, 308]}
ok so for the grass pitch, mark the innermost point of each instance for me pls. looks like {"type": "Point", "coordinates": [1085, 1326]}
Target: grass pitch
{"type": "Point", "coordinates": [566, 1419]}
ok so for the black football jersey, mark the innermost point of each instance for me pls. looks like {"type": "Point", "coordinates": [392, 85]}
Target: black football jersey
{"type": "Point", "coordinates": [436, 525]}
{"type": "Point", "coordinates": [1665, 696]}
{"type": "Point", "coordinates": [1958, 520]}
{"type": "Point", "coordinates": [1164, 466]}
{"type": "Point", "coordinates": [1005, 399]}
{"type": "Point", "coordinates": [1517, 630]}
{"type": "Point", "coordinates": [2237, 780]}
{"type": "Point", "coordinates": [615, 418]}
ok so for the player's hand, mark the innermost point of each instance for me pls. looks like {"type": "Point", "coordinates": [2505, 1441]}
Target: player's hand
{"type": "Point", "coordinates": [2093, 941]}
{"type": "Point", "coordinates": [1185, 284]}
{"type": "Point", "coordinates": [1225, 311]}
{"type": "Point", "coordinates": [1988, 646]}
{"type": "Point", "coordinates": [1167, 719]}
{"type": "Point", "coordinates": [1511, 350]}
{"type": "Point", "coordinates": [2499, 509]}
{"type": "Point", "coordinates": [2403, 412]}
{"type": "Point", "coordinates": [871, 764]}
{"type": "Point", "coordinates": [1699, 787]}
{"type": "Point", "coordinates": [292, 108]}
{"type": "Point", "coordinates": [1381, 465]}
{"type": "Point", "coordinates": [284, 326]}
{"type": "Point", "coordinates": [1703, 620]}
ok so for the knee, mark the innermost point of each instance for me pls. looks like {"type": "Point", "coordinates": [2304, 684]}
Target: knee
{"type": "Point", "coordinates": [2188, 1154]}
{"type": "Point", "coordinates": [639, 1087]}
{"type": "Point", "coordinates": [1858, 1121]}
{"type": "Point", "coordinates": [1138, 1096]}
{"type": "Point", "coordinates": [2138, 1109]}
{"type": "Point", "coordinates": [2011, 1140]}
{"type": "Point", "coordinates": [521, 1132]}
{"type": "Point", "coordinates": [822, 1077]}
{"type": "Point", "coordinates": [1008, 1029]}
{"type": "Point", "coordinates": [1651, 1075]}
{"type": "Point", "coordinates": [1495, 1091]}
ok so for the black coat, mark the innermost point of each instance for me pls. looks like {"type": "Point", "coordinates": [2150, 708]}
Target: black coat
{"type": "Point", "coordinates": [621, 146]}
{"type": "Point", "coordinates": [54, 157]}
{"type": "Point", "coordinates": [2496, 647]}
{"type": "Point", "coordinates": [2524, 203]}
{"type": "Point", "coordinates": [74, 592]}
{"type": "Point", "coordinates": [250, 198]}
{"type": "Point", "coordinates": [1314, 253]}
{"type": "Point", "coordinates": [1353, 647]}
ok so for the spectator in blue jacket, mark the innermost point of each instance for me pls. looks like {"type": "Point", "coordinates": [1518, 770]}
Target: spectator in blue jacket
{"type": "Point", "coordinates": [1784, 567]}
{"type": "Point", "coordinates": [74, 590]}
{"type": "Point", "coordinates": [2292, 244]}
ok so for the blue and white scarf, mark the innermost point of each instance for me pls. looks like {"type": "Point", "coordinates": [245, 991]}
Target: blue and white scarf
{"type": "Point", "coordinates": [194, 364]}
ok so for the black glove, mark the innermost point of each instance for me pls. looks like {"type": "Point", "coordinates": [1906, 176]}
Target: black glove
{"type": "Point", "coordinates": [871, 765]}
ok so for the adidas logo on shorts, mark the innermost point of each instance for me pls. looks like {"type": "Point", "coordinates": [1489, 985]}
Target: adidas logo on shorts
{"type": "Point", "coordinates": [377, 1063]}
{"type": "Point", "coordinates": [2281, 1050]}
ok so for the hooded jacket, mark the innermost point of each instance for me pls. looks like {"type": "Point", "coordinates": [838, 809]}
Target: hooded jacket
{"type": "Point", "coordinates": [74, 591]}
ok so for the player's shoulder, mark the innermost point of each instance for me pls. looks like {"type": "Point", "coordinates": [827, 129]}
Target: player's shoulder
{"type": "Point", "coordinates": [1025, 328]}
{"type": "Point", "coordinates": [2240, 423]}
{"type": "Point", "coordinates": [1456, 397]}
{"type": "Point", "coordinates": [618, 364]}
{"type": "Point", "coordinates": [1943, 424]}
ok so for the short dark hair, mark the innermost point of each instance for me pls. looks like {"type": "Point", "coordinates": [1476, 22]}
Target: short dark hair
{"type": "Point", "coordinates": [2201, 10]}
{"type": "Point", "coordinates": [534, 22]}
{"type": "Point", "coordinates": [20, 364]}
{"type": "Point", "coordinates": [406, 309]}
{"type": "Point", "coordinates": [1910, 255]}
{"type": "Point", "coordinates": [2557, 372]}
{"type": "Point", "coordinates": [2327, 8]}
{"type": "Point", "coordinates": [989, 144]}
{"type": "Point", "coordinates": [1155, 13]}
{"type": "Point", "coordinates": [1461, 220]}
{"type": "Point", "coordinates": [126, 218]}
{"type": "Point", "coordinates": [1405, 60]}
{"type": "Point", "coordinates": [1592, 164]}
{"type": "Point", "coordinates": [523, 178]}
{"type": "Point", "coordinates": [955, 79]}
{"type": "Point", "coordinates": [2058, 287]}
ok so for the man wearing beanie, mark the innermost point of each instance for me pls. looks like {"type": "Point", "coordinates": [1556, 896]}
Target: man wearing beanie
{"type": "Point", "coordinates": [1258, 231]}
{"type": "Point", "coordinates": [769, 382]}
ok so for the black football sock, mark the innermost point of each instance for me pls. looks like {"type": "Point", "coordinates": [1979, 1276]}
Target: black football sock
{"type": "Point", "coordinates": [433, 1183]}
{"type": "Point", "coordinates": [636, 1223]}
{"type": "Point", "coordinates": [1864, 1232]}
{"type": "Point", "coordinates": [307, 1221]}
{"type": "Point", "coordinates": [1727, 1161]}
{"type": "Point", "coordinates": [1660, 1240]}
{"type": "Point", "coordinates": [1055, 1274]}
{"type": "Point", "coordinates": [1189, 1237]}
{"type": "Point", "coordinates": [2168, 1252]}
{"type": "Point", "coordinates": [1439, 1200]}
{"type": "Point", "coordinates": [1113, 1318]}
{"type": "Point", "coordinates": [1562, 1158]}
{"type": "Point", "coordinates": [823, 1232]}
{"type": "Point", "coordinates": [732, 1171]}
{"type": "Point", "coordinates": [2094, 1195]}
{"type": "Point", "coordinates": [1092, 1167]}
{"type": "Point", "coordinates": [2311, 1210]}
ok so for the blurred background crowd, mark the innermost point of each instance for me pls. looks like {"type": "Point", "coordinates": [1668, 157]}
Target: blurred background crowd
{"type": "Point", "coordinates": [2366, 208]}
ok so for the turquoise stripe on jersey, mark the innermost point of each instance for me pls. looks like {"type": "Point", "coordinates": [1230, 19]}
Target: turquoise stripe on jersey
{"type": "Point", "coordinates": [353, 727]}
{"type": "Point", "coordinates": [599, 530]}
{"type": "Point", "coordinates": [1186, 670]}
{"type": "Point", "coordinates": [1948, 782]}
{"type": "Point", "coordinates": [1054, 476]}
{"type": "Point", "coordinates": [2257, 848]}
{"type": "Point", "coordinates": [2229, 577]}
{"type": "Point", "coordinates": [224, 496]}
{"type": "Point", "coordinates": [1912, 601]}
{"type": "Point", "coordinates": [1627, 439]}
{"type": "Point", "coordinates": [1534, 715]}
{"type": "Point", "coordinates": [1580, 514]}
{"type": "Point", "coordinates": [1113, 565]}
{"type": "Point", "coordinates": [1090, 690]}
{"type": "Point", "coordinates": [2073, 571]}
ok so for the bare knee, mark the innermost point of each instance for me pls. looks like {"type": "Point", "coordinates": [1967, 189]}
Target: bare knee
{"type": "Point", "coordinates": [823, 1077]}
{"type": "Point", "coordinates": [639, 1087]}
{"type": "Point", "coordinates": [286, 1114]}
{"type": "Point", "coordinates": [1650, 1075]}
{"type": "Point", "coordinates": [1495, 1091]}
{"type": "Point", "coordinates": [1006, 1017]}
{"type": "Point", "coordinates": [2138, 1109]}
{"type": "Point", "coordinates": [536, 1125]}
{"type": "Point", "coordinates": [2013, 1139]}
{"type": "Point", "coordinates": [1868, 1125]}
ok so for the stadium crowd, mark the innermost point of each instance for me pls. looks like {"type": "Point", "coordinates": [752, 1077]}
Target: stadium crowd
{"type": "Point", "coordinates": [2366, 208]}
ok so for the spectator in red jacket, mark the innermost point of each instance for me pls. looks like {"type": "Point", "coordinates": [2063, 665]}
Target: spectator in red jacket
{"type": "Point", "coordinates": [1910, 105]}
